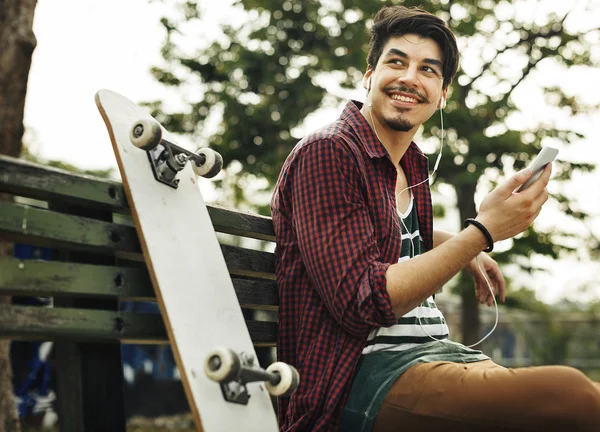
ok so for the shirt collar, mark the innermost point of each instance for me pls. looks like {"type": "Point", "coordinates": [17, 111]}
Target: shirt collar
{"type": "Point", "coordinates": [368, 138]}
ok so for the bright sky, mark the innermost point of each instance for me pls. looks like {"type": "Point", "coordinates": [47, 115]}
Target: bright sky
{"type": "Point", "coordinates": [84, 46]}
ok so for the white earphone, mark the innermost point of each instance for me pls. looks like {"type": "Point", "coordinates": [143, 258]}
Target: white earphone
{"type": "Point", "coordinates": [437, 163]}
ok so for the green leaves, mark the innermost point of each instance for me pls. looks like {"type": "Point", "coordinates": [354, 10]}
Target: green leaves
{"type": "Point", "coordinates": [267, 71]}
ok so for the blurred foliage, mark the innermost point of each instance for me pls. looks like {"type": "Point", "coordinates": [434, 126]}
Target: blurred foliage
{"type": "Point", "coordinates": [534, 333]}
{"type": "Point", "coordinates": [562, 333]}
{"type": "Point", "coordinates": [264, 73]}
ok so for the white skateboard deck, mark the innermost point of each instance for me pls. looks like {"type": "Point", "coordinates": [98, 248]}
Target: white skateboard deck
{"type": "Point", "coordinates": [194, 291]}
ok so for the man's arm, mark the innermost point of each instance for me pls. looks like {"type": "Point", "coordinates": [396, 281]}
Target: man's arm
{"type": "Point", "coordinates": [504, 214]}
{"type": "Point", "coordinates": [440, 237]}
{"type": "Point", "coordinates": [335, 237]}
{"type": "Point", "coordinates": [412, 281]}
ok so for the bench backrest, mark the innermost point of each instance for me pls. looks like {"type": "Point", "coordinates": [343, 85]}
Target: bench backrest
{"type": "Point", "coordinates": [83, 223]}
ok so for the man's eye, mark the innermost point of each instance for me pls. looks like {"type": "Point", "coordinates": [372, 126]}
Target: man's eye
{"type": "Point", "coordinates": [396, 62]}
{"type": "Point", "coordinates": [429, 69]}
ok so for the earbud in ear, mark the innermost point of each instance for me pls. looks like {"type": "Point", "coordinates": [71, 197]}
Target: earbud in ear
{"type": "Point", "coordinates": [443, 102]}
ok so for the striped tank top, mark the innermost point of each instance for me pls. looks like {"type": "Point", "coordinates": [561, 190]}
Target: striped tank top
{"type": "Point", "coordinates": [407, 332]}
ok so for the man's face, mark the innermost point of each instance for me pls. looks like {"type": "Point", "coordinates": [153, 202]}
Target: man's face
{"type": "Point", "coordinates": [406, 84]}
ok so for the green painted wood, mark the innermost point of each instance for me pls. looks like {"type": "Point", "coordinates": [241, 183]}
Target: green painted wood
{"type": "Point", "coordinates": [27, 179]}
{"type": "Point", "coordinates": [99, 382]}
{"type": "Point", "coordinates": [23, 322]}
{"type": "Point", "coordinates": [39, 323]}
{"type": "Point", "coordinates": [47, 228]}
{"type": "Point", "coordinates": [65, 279]}
{"type": "Point", "coordinates": [24, 178]}
{"type": "Point", "coordinates": [52, 278]}
{"type": "Point", "coordinates": [80, 332]}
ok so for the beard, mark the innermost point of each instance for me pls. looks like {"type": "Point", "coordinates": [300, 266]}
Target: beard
{"type": "Point", "coordinates": [399, 123]}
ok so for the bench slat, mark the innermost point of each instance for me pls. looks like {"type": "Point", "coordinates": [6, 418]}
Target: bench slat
{"type": "Point", "coordinates": [254, 294]}
{"type": "Point", "coordinates": [27, 179]}
{"type": "Point", "coordinates": [53, 279]}
{"type": "Point", "coordinates": [35, 323]}
{"type": "Point", "coordinates": [241, 224]}
{"type": "Point", "coordinates": [24, 178]}
{"type": "Point", "coordinates": [248, 262]}
{"type": "Point", "coordinates": [47, 228]}
{"type": "Point", "coordinates": [43, 227]}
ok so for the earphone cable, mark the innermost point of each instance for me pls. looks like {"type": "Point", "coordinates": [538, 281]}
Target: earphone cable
{"type": "Point", "coordinates": [437, 162]}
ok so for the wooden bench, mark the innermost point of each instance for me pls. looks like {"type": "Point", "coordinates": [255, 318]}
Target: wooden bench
{"type": "Point", "coordinates": [96, 263]}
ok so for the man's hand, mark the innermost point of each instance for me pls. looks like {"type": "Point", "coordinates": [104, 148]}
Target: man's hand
{"type": "Point", "coordinates": [506, 213]}
{"type": "Point", "coordinates": [492, 270]}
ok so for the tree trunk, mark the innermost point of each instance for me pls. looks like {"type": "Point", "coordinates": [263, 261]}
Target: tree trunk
{"type": "Point", "coordinates": [17, 43]}
{"type": "Point", "coordinates": [470, 308]}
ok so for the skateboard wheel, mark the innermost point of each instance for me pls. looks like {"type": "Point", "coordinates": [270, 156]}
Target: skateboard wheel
{"type": "Point", "coordinates": [221, 364]}
{"type": "Point", "coordinates": [145, 134]}
{"type": "Point", "coordinates": [212, 165]}
{"type": "Point", "coordinates": [289, 379]}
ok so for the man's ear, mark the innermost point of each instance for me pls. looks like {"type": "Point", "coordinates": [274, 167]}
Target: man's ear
{"type": "Point", "coordinates": [367, 79]}
{"type": "Point", "coordinates": [443, 99]}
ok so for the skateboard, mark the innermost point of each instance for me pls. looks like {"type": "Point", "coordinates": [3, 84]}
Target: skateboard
{"type": "Point", "coordinates": [226, 388]}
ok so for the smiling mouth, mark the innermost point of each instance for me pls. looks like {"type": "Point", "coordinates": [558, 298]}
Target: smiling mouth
{"type": "Point", "coordinates": [402, 93]}
{"type": "Point", "coordinates": [403, 98]}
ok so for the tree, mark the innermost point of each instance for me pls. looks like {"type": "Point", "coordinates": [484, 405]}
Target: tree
{"type": "Point", "coordinates": [283, 61]}
{"type": "Point", "coordinates": [18, 42]}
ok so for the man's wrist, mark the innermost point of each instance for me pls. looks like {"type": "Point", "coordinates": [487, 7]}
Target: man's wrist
{"type": "Point", "coordinates": [489, 241]}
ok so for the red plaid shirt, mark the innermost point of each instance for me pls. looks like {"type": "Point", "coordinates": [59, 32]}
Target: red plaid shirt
{"type": "Point", "coordinates": [334, 212]}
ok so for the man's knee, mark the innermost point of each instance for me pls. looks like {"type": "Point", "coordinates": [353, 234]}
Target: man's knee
{"type": "Point", "coordinates": [576, 395]}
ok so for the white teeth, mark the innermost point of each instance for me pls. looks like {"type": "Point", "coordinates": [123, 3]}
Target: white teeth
{"type": "Point", "coordinates": [403, 98]}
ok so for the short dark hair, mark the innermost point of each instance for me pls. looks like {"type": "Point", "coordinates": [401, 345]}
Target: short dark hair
{"type": "Point", "coordinates": [393, 21]}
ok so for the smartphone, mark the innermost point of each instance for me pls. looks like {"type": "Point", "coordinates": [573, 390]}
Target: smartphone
{"type": "Point", "coordinates": [543, 158]}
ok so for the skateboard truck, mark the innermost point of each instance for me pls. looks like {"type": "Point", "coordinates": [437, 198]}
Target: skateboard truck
{"type": "Point", "coordinates": [167, 158]}
{"type": "Point", "coordinates": [233, 372]}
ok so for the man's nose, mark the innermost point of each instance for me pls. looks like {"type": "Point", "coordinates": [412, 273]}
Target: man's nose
{"type": "Point", "coordinates": [410, 76]}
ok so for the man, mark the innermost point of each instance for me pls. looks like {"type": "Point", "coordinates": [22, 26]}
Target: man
{"type": "Point", "coordinates": [358, 263]}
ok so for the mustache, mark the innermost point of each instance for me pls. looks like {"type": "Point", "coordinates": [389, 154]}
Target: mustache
{"type": "Point", "coordinates": [404, 89]}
